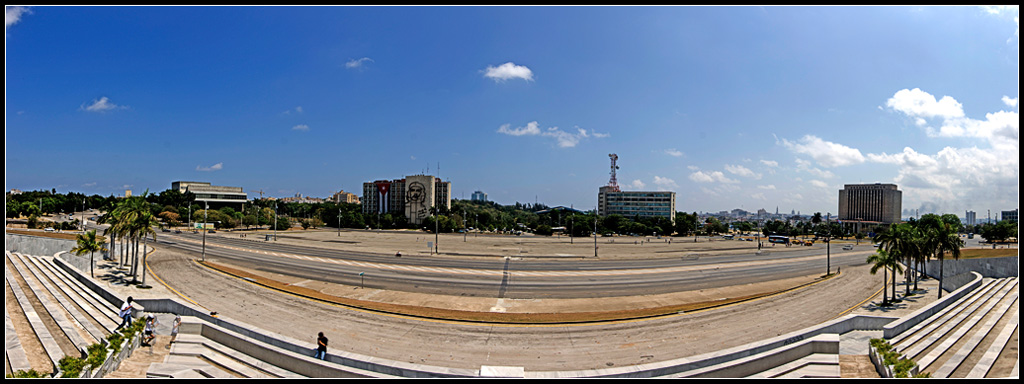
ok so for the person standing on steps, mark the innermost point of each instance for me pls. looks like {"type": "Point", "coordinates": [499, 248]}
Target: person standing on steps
{"type": "Point", "coordinates": [321, 346]}
{"type": "Point", "coordinates": [125, 314]}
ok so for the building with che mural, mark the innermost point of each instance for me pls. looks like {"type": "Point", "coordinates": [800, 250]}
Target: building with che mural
{"type": "Point", "coordinates": [412, 197]}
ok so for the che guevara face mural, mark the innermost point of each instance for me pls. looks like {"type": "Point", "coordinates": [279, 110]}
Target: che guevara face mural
{"type": "Point", "coordinates": [415, 201]}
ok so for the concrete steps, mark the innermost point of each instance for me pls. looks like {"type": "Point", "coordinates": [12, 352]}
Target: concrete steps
{"type": "Point", "coordinates": [944, 345]}
{"type": "Point", "coordinates": [211, 359]}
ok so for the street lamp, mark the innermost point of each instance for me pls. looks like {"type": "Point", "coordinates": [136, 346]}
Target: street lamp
{"type": "Point", "coordinates": [275, 221]}
{"type": "Point", "coordinates": [339, 222]}
{"type": "Point", "coordinates": [828, 246]}
{"type": "Point", "coordinates": [207, 208]}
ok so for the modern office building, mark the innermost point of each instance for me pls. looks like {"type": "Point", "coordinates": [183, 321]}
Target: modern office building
{"type": "Point", "coordinates": [611, 201]}
{"type": "Point", "coordinates": [217, 196]}
{"type": "Point", "coordinates": [1009, 215]}
{"type": "Point", "coordinates": [867, 205]}
{"type": "Point", "coordinates": [412, 196]}
{"type": "Point", "coordinates": [971, 218]}
{"type": "Point", "coordinates": [479, 196]}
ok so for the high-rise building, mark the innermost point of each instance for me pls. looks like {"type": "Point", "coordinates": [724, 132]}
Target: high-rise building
{"type": "Point", "coordinates": [611, 201]}
{"type": "Point", "coordinates": [970, 218]}
{"type": "Point", "coordinates": [1009, 215]}
{"type": "Point", "coordinates": [216, 196]}
{"type": "Point", "coordinates": [878, 203]}
{"type": "Point", "coordinates": [479, 196]}
{"type": "Point", "coordinates": [412, 196]}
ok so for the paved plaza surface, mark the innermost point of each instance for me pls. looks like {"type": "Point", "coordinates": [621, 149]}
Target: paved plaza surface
{"type": "Point", "coordinates": [534, 347]}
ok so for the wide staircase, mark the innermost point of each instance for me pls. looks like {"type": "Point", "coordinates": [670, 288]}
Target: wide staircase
{"type": "Point", "coordinates": [975, 337]}
{"type": "Point", "coordinates": [51, 314]}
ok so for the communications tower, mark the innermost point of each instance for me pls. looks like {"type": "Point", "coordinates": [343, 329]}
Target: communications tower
{"type": "Point", "coordinates": [612, 183]}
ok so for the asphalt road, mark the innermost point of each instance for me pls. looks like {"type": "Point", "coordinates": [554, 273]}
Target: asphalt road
{"type": "Point", "coordinates": [516, 278]}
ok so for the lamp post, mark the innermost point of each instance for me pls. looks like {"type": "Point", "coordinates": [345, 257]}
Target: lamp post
{"type": "Point", "coordinates": [828, 246]}
{"type": "Point", "coordinates": [339, 222]}
{"type": "Point", "coordinates": [595, 234]}
{"type": "Point", "coordinates": [207, 208]}
{"type": "Point", "coordinates": [275, 221]}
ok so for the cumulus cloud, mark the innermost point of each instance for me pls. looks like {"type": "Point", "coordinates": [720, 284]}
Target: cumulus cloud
{"type": "Point", "coordinates": [918, 103]}
{"type": "Point", "coordinates": [1001, 129]}
{"type": "Point", "coordinates": [215, 167]}
{"type": "Point", "coordinates": [664, 182]}
{"type": "Point", "coordinates": [770, 163]}
{"type": "Point", "coordinates": [102, 104]}
{"type": "Point", "coordinates": [507, 71]}
{"type": "Point", "coordinates": [673, 152]}
{"type": "Point", "coordinates": [768, 187]}
{"type": "Point", "coordinates": [954, 176]}
{"type": "Point", "coordinates": [826, 153]}
{"type": "Point", "coordinates": [301, 127]}
{"type": "Point", "coordinates": [710, 177]}
{"type": "Point", "coordinates": [531, 128]}
{"type": "Point", "coordinates": [740, 170]}
{"type": "Point", "coordinates": [1010, 102]}
{"type": "Point", "coordinates": [637, 184]}
{"type": "Point", "coordinates": [357, 63]}
{"type": "Point", "coordinates": [12, 15]}
{"type": "Point", "coordinates": [562, 138]}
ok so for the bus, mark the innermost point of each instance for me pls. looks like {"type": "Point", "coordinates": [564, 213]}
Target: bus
{"type": "Point", "coordinates": [778, 239]}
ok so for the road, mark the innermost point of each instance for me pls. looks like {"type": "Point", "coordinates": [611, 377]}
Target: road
{"type": "Point", "coordinates": [516, 278]}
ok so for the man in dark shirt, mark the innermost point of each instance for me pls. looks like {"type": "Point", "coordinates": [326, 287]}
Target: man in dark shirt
{"type": "Point", "coordinates": [321, 346]}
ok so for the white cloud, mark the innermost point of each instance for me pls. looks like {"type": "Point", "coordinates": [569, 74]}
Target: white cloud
{"type": "Point", "coordinates": [953, 177]}
{"type": "Point", "coordinates": [918, 103]}
{"type": "Point", "coordinates": [357, 63]}
{"type": "Point", "coordinates": [215, 167]}
{"type": "Point", "coordinates": [758, 196]}
{"type": "Point", "coordinates": [673, 152]}
{"type": "Point", "coordinates": [768, 187]}
{"type": "Point", "coordinates": [508, 71]}
{"type": "Point", "coordinates": [301, 127]}
{"type": "Point", "coordinates": [770, 163]}
{"type": "Point", "coordinates": [664, 182]}
{"type": "Point", "coordinates": [742, 171]}
{"type": "Point", "coordinates": [819, 183]}
{"type": "Point", "coordinates": [563, 138]}
{"type": "Point", "coordinates": [637, 184]}
{"type": "Point", "coordinates": [102, 104]}
{"type": "Point", "coordinates": [530, 129]}
{"type": "Point", "coordinates": [1010, 102]}
{"type": "Point", "coordinates": [12, 15]}
{"type": "Point", "coordinates": [826, 153]}
{"type": "Point", "coordinates": [710, 177]}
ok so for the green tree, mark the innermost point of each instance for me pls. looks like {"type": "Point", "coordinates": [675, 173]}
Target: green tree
{"type": "Point", "coordinates": [884, 260]}
{"type": "Point", "coordinates": [89, 243]}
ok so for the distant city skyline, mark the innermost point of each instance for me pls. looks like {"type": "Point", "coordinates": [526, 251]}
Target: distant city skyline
{"type": "Point", "coordinates": [738, 107]}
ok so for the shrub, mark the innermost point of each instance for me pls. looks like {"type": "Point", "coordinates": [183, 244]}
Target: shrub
{"type": "Point", "coordinates": [97, 353]}
{"type": "Point", "coordinates": [29, 374]}
{"type": "Point", "coordinates": [71, 366]}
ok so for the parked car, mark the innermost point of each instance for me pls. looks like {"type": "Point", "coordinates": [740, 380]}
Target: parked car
{"type": "Point", "coordinates": [847, 247]}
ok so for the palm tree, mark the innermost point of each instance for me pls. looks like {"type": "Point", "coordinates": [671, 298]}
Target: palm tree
{"type": "Point", "coordinates": [946, 240]}
{"type": "Point", "coordinates": [884, 260]}
{"type": "Point", "coordinates": [899, 241]}
{"type": "Point", "coordinates": [87, 242]}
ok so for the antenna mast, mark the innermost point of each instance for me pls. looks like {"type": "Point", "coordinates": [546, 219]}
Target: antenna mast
{"type": "Point", "coordinates": [612, 182]}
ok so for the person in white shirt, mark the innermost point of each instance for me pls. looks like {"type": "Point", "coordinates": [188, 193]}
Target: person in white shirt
{"type": "Point", "coordinates": [125, 314]}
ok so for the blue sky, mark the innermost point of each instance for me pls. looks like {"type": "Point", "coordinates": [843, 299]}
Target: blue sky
{"type": "Point", "coordinates": [730, 107]}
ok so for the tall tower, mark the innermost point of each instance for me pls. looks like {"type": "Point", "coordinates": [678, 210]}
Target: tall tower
{"type": "Point", "coordinates": [612, 183]}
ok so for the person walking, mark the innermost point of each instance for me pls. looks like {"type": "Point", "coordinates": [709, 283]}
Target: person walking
{"type": "Point", "coordinates": [150, 330]}
{"type": "Point", "coordinates": [125, 314]}
{"type": "Point", "coordinates": [321, 346]}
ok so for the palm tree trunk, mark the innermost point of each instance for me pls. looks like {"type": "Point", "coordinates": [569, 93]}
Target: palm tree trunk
{"type": "Point", "coordinates": [885, 281]}
{"type": "Point", "coordinates": [941, 260]}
